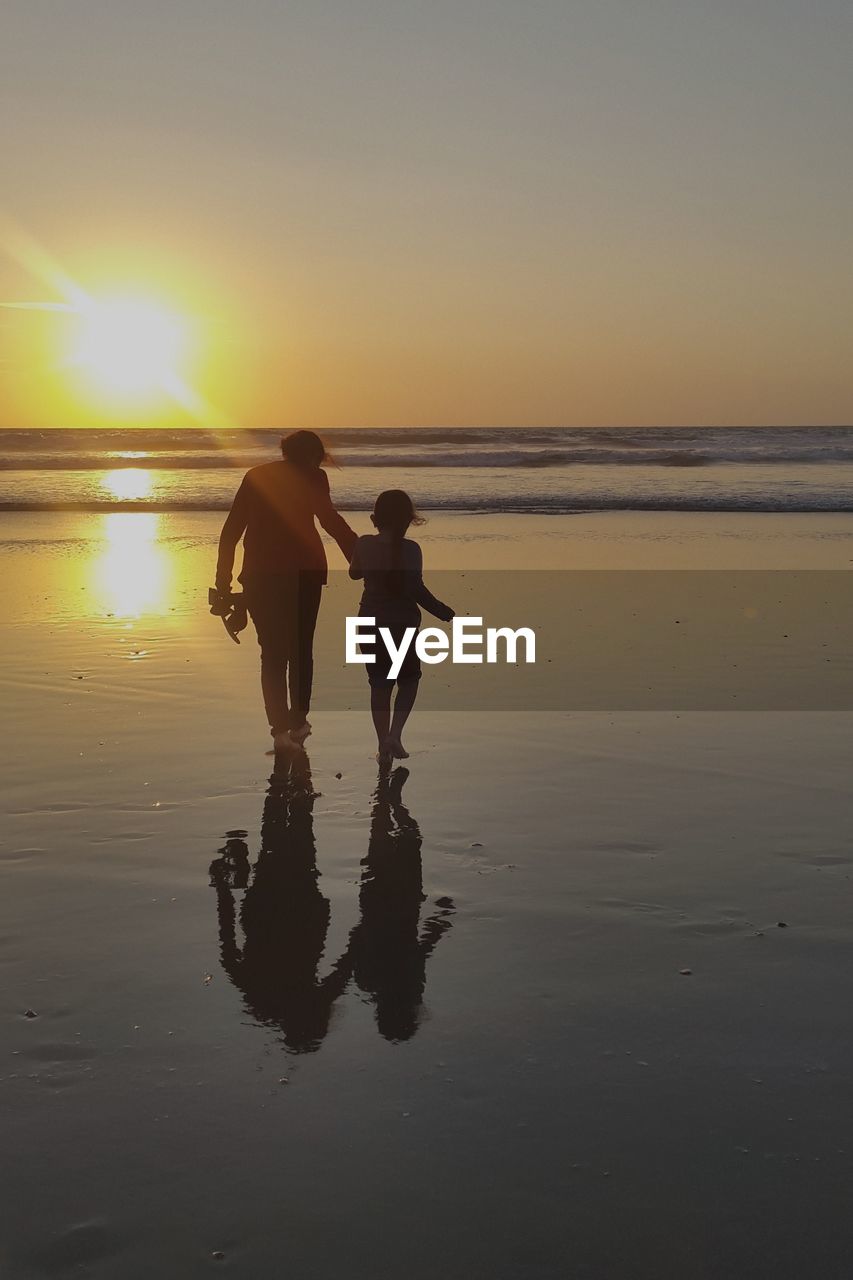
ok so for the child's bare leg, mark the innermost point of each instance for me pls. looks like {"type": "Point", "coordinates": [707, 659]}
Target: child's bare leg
{"type": "Point", "coordinates": [380, 709]}
{"type": "Point", "coordinates": [407, 692]}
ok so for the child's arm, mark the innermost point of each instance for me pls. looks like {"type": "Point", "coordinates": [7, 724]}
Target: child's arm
{"type": "Point", "coordinates": [424, 596]}
{"type": "Point", "coordinates": [355, 568]}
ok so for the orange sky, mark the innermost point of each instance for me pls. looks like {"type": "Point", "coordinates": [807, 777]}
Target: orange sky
{"type": "Point", "coordinates": [469, 213]}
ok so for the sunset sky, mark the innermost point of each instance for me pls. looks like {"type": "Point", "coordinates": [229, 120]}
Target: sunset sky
{"type": "Point", "coordinates": [373, 212]}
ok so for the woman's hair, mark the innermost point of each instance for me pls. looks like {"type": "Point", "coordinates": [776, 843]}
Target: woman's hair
{"type": "Point", "coordinates": [304, 449]}
{"type": "Point", "coordinates": [395, 511]}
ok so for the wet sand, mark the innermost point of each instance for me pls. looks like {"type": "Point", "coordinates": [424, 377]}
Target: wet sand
{"type": "Point", "coordinates": [570, 999]}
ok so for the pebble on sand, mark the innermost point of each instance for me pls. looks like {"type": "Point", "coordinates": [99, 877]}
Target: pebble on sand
{"type": "Point", "coordinates": [685, 972]}
{"type": "Point", "coordinates": [30, 1013]}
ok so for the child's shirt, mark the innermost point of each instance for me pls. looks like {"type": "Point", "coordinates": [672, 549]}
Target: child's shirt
{"type": "Point", "coordinates": [375, 558]}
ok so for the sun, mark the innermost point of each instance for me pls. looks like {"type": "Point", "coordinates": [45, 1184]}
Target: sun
{"type": "Point", "coordinates": [129, 347]}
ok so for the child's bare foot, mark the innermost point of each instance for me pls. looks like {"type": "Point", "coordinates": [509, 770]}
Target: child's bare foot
{"type": "Point", "coordinates": [385, 755]}
{"type": "Point", "coordinates": [282, 742]}
{"type": "Point", "coordinates": [398, 751]}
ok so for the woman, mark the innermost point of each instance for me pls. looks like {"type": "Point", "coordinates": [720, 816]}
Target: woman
{"type": "Point", "coordinates": [284, 571]}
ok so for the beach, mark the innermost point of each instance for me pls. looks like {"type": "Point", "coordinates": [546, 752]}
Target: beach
{"type": "Point", "coordinates": [524, 953]}
{"type": "Point", "coordinates": [569, 998]}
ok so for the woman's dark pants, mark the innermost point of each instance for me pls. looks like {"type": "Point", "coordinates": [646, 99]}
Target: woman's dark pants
{"type": "Point", "coordinates": [284, 610]}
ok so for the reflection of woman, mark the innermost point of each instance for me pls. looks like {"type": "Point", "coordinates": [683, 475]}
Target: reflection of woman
{"type": "Point", "coordinates": [388, 950]}
{"type": "Point", "coordinates": [284, 571]}
{"type": "Point", "coordinates": [284, 917]}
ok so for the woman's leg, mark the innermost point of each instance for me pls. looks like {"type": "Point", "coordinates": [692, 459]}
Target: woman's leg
{"type": "Point", "coordinates": [407, 692]}
{"type": "Point", "coordinates": [301, 673]}
{"type": "Point", "coordinates": [272, 628]}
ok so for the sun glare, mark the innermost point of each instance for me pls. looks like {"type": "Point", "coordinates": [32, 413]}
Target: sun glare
{"type": "Point", "coordinates": [129, 347]}
{"type": "Point", "coordinates": [124, 352]}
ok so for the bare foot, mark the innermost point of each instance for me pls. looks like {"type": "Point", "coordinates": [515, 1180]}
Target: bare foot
{"type": "Point", "coordinates": [299, 735]}
{"type": "Point", "coordinates": [398, 751]}
{"type": "Point", "coordinates": [385, 755]}
{"type": "Point", "coordinates": [283, 742]}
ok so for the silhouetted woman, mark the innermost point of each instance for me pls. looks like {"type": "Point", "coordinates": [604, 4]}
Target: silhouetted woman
{"type": "Point", "coordinates": [284, 572]}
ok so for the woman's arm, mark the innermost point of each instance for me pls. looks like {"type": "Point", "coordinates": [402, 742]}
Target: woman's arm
{"type": "Point", "coordinates": [356, 569]}
{"type": "Point", "coordinates": [232, 532]}
{"type": "Point", "coordinates": [331, 520]}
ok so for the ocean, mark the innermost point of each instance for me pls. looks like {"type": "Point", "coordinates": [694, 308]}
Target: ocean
{"type": "Point", "coordinates": [554, 470]}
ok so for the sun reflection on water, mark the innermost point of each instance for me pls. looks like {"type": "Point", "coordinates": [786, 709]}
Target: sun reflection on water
{"type": "Point", "coordinates": [133, 575]}
{"type": "Point", "coordinates": [128, 483]}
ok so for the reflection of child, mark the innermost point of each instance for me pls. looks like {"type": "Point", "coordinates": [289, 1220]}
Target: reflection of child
{"type": "Point", "coordinates": [392, 568]}
{"type": "Point", "coordinates": [390, 946]}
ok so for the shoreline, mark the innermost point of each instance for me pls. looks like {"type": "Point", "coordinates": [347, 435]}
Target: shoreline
{"type": "Point", "coordinates": [619, 507]}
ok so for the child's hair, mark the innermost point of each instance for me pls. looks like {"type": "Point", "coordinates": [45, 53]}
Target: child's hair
{"type": "Point", "coordinates": [395, 511]}
{"type": "Point", "coordinates": [304, 449]}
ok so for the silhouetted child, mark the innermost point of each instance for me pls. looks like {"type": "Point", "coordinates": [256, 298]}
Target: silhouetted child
{"type": "Point", "coordinates": [392, 568]}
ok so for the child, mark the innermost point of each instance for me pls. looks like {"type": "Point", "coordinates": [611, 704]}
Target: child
{"type": "Point", "coordinates": [391, 565]}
